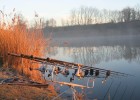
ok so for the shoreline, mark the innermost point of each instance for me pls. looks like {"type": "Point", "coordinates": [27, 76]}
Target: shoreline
{"type": "Point", "coordinates": [24, 92]}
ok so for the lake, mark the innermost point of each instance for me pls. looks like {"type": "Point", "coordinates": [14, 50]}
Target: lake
{"type": "Point", "coordinates": [122, 58]}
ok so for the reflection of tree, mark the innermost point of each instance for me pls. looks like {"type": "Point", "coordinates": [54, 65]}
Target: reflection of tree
{"type": "Point", "coordinates": [94, 55]}
{"type": "Point", "coordinates": [84, 55]}
{"type": "Point", "coordinates": [131, 53]}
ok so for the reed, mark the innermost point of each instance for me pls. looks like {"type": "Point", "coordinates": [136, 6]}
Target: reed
{"type": "Point", "coordinates": [16, 37]}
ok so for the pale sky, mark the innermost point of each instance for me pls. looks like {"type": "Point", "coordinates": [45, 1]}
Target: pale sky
{"type": "Point", "coordinates": [60, 8]}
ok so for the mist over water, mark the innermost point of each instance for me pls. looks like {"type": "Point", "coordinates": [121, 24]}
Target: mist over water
{"type": "Point", "coordinates": [122, 56]}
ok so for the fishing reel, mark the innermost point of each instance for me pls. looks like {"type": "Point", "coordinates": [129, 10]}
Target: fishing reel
{"type": "Point", "coordinates": [107, 75]}
{"type": "Point", "coordinates": [65, 72]}
{"type": "Point", "coordinates": [91, 80]}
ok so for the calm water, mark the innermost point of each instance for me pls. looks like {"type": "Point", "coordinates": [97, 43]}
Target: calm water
{"type": "Point", "coordinates": [124, 59]}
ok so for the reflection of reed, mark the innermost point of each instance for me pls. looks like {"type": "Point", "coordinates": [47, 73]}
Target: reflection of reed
{"type": "Point", "coordinates": [79, 96]}
{"type": "Point", "coordinates": [75, 94]}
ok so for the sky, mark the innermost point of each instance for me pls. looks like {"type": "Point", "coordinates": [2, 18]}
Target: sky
{"type": "Point", "coordinates": [58, 9]}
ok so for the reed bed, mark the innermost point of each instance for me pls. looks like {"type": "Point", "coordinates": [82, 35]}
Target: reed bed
{"type": "Point", "coordinates": [16, 37]}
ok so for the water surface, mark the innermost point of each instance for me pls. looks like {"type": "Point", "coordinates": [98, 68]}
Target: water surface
{"type": "Point", "coordinates": [124, 59]}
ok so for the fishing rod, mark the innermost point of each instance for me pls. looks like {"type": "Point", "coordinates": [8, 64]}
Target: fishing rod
{"type": "Point", "coordinates": [95, 69]}
{"type": "Point", "coordinates": [64, 63]}
{"type": "Point", "coordinates": [108, 90]}
{"type": "Point", "coordinates": [116, 91]}
{"type": "Point", "coordinates": [104, 70]}
{"type": "Point", "coordinates": [132, 93]}
{"type": "Point", "coordinates": [124, 93]}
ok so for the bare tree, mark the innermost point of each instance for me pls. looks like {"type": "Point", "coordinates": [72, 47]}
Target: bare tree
{"type": "Point", "coordinates": [62, 22]}
{"type": "Point", "coordinates": [82, 15]}
{"type": "Point", "coordinates": [133, 14]}
{"type": "Point", "coordinates": [137, 9]}
{"type": "Point", "coordinates": [95, 15]}
{"type": "Point", "coordinates": [51, 22]}
{"type": "Point", "coordinates": [115, 16]}
{"type": "Point", "coordinates": [89, 15]}
{"type": "Point", "coordinates": [126, 14]}
{"type": "Point", "coordinates": [73, 17]}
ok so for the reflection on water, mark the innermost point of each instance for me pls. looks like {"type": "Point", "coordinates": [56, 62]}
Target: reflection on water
{"type": "Point", "coordinates": [95, 55]}
{"type": "Point", "coordinates": [118, 58]}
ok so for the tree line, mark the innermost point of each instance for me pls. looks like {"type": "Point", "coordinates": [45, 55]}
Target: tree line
{"type": "Point", "coordinates": [90, 15]}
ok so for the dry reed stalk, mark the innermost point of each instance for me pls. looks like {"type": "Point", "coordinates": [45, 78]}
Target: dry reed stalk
{"type": "Point", "coordinates": [15, 37]}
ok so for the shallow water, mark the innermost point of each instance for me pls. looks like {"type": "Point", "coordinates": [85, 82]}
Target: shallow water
{"type": "Point", "coordinates": [124, 59]}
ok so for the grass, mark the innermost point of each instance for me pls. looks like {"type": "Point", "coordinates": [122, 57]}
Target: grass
{"type": "Point", "coordinates": [16, 37]}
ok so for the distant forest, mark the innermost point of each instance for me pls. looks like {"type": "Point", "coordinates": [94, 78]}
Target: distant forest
{"type": "Point", "coordinates": [91, 22]}
{"type": "Point", "coordinates": [89, 26]}
{"type": "Point", "coordinates": [91, 30]}
{"type": "Point", "coordinates": [90, 15]}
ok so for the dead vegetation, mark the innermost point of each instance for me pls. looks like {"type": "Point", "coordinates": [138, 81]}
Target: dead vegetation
{"type": "Point", "coordinates": [17, 37]}
{"type": "Point", "coordinates": [23, 92]}
{"type": "Point", "coordinates": [16, 92]}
